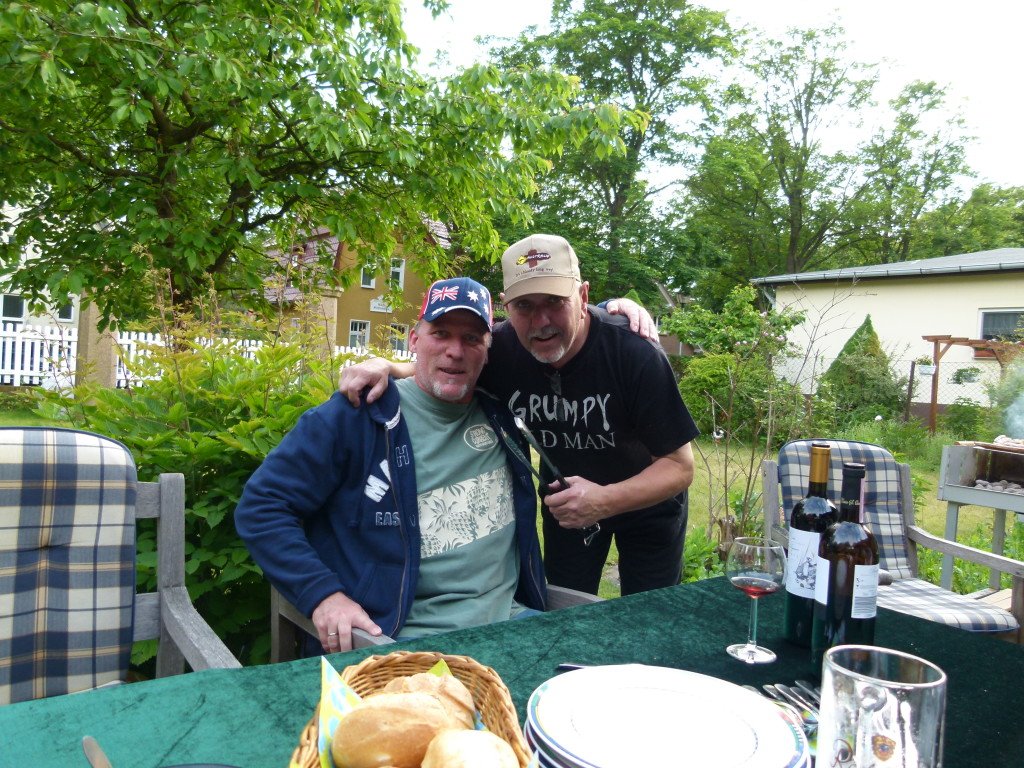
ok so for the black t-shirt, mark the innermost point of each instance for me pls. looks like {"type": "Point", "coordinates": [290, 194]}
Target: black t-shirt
{"type": "Point", "coordinates": [606, 413]}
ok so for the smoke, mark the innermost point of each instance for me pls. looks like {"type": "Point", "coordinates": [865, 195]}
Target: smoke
{"type": "Point", "coordinates": [1008, 396]}
{"type": "Point", "coordinates": [1014, 417]}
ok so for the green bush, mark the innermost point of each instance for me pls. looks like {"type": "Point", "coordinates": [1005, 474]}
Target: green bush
{"type": "Point", "coordinates": [740, 327]}
{"type": "Point", "coordinates": [700, 556]}
{"type": "Point", "coordinates": [906, 440]}
{"type": "Point", "coordinates": [740, 396]}
{"type": "Point", "coordinates": [966, 375]}
{"type": "Point", "coordinates": [860, 382]}
{"type": "Point", "coordinates": [679, 365]}
{"type": "Point", "coordinates": [15, 399]}
{"type": "Point", "coordinates": [967, 419]}
{"type": "Point", "coordinates": [733, 393]}
{"type": "Point", "coordinates": [211, 412]}
{"type": "Point", "coordinates": [823, 413]}
{"type": "Point", "coordinates": [18, 408]}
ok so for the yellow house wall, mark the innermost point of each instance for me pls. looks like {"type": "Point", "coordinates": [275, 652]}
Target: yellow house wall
{"type": "Point", "coordinates": [358, 303]}
{"type": "Point", "coordinates": [902, 310]}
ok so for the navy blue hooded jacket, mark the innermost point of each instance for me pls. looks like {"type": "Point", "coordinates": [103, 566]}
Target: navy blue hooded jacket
{"type": "Point", "coordinates": [333, 509]}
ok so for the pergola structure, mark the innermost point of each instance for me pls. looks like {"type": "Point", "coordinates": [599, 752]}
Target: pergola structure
{"type": "Point", "coordinates": [1003, 351]}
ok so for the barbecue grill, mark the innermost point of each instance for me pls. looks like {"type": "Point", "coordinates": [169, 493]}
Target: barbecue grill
{"type": "Point", "coordinates": [984, 475]}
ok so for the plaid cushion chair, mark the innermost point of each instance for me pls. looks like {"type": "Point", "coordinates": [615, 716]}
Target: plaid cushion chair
{"type": "Point", "coordinates": [68, 608]}
{"type": "Point", "coordinates": [67, 562]}
{"type": "Point", "coordinates": [889, 514]}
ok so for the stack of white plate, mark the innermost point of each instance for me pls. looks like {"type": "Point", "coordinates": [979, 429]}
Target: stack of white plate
{"type": "Point", "coordinates": [631, 715]}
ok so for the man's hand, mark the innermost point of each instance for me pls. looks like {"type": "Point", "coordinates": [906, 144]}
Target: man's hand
{"type": "Point", "coordinates": [640, 320]}
{"type": "Point", "coordinates": [372, 373]}
{"type": "Point", "coordinates": [578, 506]}
{"type": "Point", "coordinates": [335, 619]}
{"type": "Point", "coordinates": [584, 503]}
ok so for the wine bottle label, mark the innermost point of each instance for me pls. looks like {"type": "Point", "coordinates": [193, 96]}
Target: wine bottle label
{"type": "Point", "coordinates": [803, 562]}
{"type": "Point", "coordinates": [865, 592]}
{"type": "Point", "coordinates": [821, 581]}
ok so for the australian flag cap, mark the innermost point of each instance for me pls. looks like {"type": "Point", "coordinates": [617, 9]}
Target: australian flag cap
{"type": "Point", "coordinates": [456, 293]}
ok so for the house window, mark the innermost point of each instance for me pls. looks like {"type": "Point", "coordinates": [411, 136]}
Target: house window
{"type": "Point", "coordinates": [399, 337]}
{"type": "Point", "coordinates": [397, 279]}
{"type": "Point", "coordinates": [359, 333]}
{"type": "Point", "coordinates": [366, 279]}
{"type": "Point", "coordinates": [66, 313]}
{"type": "Point", "coordinates": [1001, 324]}
{"type": "Point", "coordinates": [13, 308]}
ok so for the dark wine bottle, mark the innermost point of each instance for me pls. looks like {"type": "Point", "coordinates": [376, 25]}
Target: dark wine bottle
{"type": "Point", "coordinates": [810, 518]}
{"type": "Point", "coordinates": [846, 589]}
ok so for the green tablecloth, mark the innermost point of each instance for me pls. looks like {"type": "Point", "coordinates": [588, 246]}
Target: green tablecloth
{"type": "Point", "coordinates": [252, 717]}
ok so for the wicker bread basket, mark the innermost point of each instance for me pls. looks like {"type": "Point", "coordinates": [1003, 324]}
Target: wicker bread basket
{"type": "Point", "coordinates": [490, 695]}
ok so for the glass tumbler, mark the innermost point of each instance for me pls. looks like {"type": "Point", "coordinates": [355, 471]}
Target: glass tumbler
{"type": "Point", "coordinates": [880, 708]}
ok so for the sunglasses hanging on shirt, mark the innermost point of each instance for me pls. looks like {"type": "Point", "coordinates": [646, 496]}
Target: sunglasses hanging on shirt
{"type": "Point", "coordinates": [555, 379]}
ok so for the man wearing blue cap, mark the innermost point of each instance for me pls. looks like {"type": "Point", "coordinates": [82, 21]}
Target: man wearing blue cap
{"type": "Point", "coordinates": [410, 516]}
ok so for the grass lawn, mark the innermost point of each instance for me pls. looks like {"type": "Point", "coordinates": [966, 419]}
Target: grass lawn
{"type": "Point", "coordinates": [23, 417]}
{"type": "Point", "coordinates": [975, 523]}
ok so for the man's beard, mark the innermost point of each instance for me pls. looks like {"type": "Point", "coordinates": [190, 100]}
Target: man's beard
{"type": "Point", "coordinates": [550, 357]}
{"type": "Point", "coordinates": [438, 390]}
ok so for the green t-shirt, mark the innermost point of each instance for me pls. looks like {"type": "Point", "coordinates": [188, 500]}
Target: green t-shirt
{"type": "Point", "coordinates": [469, 567]}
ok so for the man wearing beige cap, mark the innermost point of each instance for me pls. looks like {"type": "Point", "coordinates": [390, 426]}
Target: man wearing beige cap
{"type": "Point", "coordinates": [603, 404]}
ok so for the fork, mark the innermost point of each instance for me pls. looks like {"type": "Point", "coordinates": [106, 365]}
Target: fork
{"type": "Point", "coordinates": [807, 722]}
{"type": "Point", "coordinates": [813, 692]}
{"type": "Point", "coordinates": [782, 703]}
{"type": "Point", "coordinates": [796, 697]}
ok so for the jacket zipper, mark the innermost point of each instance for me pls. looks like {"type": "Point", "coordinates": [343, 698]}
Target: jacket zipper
{"type": "Point", "coordinates": [401, 529]}
{"type": "Point", "coordinates": [525, 479]}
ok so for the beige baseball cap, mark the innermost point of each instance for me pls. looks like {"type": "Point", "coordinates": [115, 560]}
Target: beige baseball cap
{"type": "Point", "coordinates": [540, 264]}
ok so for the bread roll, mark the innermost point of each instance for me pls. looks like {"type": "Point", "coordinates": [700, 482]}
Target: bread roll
{"type": "Point", "coordinates": [389, 729]}
{"type": "Point", "coordinates": [469, 749]}
{"type": "Point", "coordinates": [449, 690]}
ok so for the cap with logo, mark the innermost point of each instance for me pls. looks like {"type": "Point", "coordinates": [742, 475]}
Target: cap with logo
{"type": "Point", "coordinates": [456, 293]}
{"type": "Point", "coordinates": [540, 264]}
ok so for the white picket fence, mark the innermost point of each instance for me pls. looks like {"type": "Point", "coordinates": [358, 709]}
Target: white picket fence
{"type": "Point", "coordinates": [35, 355]}
{"type": "Point", "coordinates": [46, 355]}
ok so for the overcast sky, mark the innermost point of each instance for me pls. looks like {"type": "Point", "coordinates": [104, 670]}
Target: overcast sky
{"type": "Point", "coordinates": [969, 46]}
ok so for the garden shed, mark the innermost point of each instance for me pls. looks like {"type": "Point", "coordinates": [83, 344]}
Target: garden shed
{"type": "Point", "coordinates": [974, 295]}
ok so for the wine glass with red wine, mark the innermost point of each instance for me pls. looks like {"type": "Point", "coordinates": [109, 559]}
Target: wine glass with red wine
{"type": "Point", "coordinates": [758, 567]}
